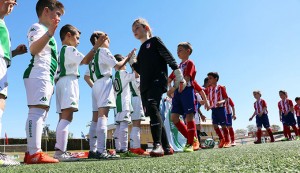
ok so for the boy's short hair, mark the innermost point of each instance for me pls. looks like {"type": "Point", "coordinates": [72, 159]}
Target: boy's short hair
{"type": "Point", "coordinates": [297, 98]}
{"type": "Point", "coordinates": [214, 75]}
{"type": "Point", "coordinates": [95, 36]}
{"type": "Point", "coordinates": [186, 45]}
{"type": "Point", "coordinates": [68, 28]}
{"type": "Point", "coordinates": [283, 92]}
{"type": "Point", "coordinates": [118, 57]}
{"type": "Point", "coordinates": [257, 92]}
{"type": "Point", "coordinates": [51, 4]}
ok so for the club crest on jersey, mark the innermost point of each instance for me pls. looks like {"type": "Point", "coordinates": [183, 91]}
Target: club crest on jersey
{"type": "Point", "coordinates": [148, 45]}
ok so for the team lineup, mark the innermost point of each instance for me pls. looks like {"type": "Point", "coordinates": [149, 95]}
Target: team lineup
{"type": "Point", "coordinates": [132, 95]}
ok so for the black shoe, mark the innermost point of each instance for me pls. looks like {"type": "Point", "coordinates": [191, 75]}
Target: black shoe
{"type": "Point", "coordinates": [92, 155]}
{"type": "Point", "coordinates": [168, 151]}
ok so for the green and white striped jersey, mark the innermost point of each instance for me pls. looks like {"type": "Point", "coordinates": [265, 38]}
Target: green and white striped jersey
{"type": "Point", "coordinates": [5, 44]}
{"type": "Point", "coordinates": [122, 90]}
{"type": "Point", "coordinates": [44, 64]}
{"type": "Point", "coordinates": [69, 61]}
{"type": "Point", "coordinates": [102, 64]}
{"type": "Point", "coordinates": [135, 87]}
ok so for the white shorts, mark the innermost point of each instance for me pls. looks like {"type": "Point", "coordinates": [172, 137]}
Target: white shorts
{"type": "Point", "coordinates": [67, 93]}
{"type": "Point", "coordinates": [3, 77]}
{"type": "Point", "coordinates": [103, 94]}
{"type": "Point", "coordinates": [138, 111]}
{"type": "Point", "coordinates": [197, 118]}
{"type": "Point", "coordinates": [122, 116]}
{"type": "Point", "coordinates": [38, 91]}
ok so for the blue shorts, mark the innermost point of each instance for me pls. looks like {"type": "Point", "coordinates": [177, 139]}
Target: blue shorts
{"type": "Point", "coordinates": [184, 103]}
{"type": "Point", "coordinates": [262, 121]}
{"type": "Point", "coordinates": [218, 116]}
{"type": "Point", "coordinates": [298, 121]}
{"type": "Point", "coordinates": [289, 119]}
{"type": "Point", "coordinates": [229, 120]}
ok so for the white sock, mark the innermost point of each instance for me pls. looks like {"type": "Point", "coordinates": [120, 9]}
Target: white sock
{"type": "Point", "coordinates": [93, 137]}
{"type": "Point", "coordinates": [1, 113]}
{"type": "Point", "coordinates": [123, 135]}
{"type": "Point", "coordinates": [101, 134]}
{"type": "Point", "coordinates": [135, 137]}
{"type": "Point", "coordinates": [116, 137]}
{"type": "Point", "coordinates": [62, 132]}
{"type": "Point", "coordinates": [34, 129]}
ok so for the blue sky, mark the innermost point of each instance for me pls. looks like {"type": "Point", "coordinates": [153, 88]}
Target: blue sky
{"type": "Point", "coordinates": [253, 44]}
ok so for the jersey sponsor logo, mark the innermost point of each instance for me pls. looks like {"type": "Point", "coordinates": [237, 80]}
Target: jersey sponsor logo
{"type": "Point", "coordinates": [43, 99]}
{"type": "Point", "coordinates": [148, 45]}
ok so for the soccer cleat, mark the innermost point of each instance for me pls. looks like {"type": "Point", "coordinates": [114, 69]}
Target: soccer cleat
{"type": "Point", "coordinates": [106, 155]}
{"type": "Point", "coordinates": [297, 138]}
{"type": "Point", "coordinates": [40, 158]}
{"type": "Point", "coordinates": [168, 151]}
{"type": "Point", "coordinates": [196, 144]}
{"type": "Point", "coordinates": [139, 151]}
{"type": "Point", "coordinates": [26, 156]}
{"type": "Point", "coordinates": [92, 155]}
{"type": "Point", "coordinates": [113, 154]}
{"type": "Point", "coordinates": [157, 151]}
{"type": "Point", "coordinates": [285, 139]}
{"type": "Point", "coordinates": [227, 145]}
{"type": "Point", "coordinates": [257, 142]}
{"type": "Point", "coordinates": [66, 157]}
{"type": "Point", "coordinates": [6, 161]}
{"type": "Point", "coordinates": [233, 143]}
{"type": "Point", "coordinates": [188, 148]}
{"type": "Point", "coordinates": [221, 144]}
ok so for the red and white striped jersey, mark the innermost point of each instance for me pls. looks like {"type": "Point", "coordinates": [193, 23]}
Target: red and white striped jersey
{"type": "Point", "coordinates": [188, 69]}
{"type": "Point", "coordinates": [285, 105]}
{"type": "Point", "coordinates": [297, 110]}
{"type": "Point", "coordinates": [215, 94]}
{"type": "Point", "coordinates": [228, 106]}
{"type": "Point", "coordinates": [259, 105]}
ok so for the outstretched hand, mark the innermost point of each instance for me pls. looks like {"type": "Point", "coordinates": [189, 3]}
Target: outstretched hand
{"type": "Point", "coordinates": [100, 40]}
{"type": "Point", "coordinates": [21, 49]}
{"type": "Point", "coordinates": [53, 26]}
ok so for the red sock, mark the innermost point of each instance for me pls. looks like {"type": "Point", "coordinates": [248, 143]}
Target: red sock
{"type": "Point", "coordinates": [182, 128]}
{"type": "Point", "coordinates": [226, 134]}
{"type": "Point", "coordinates": [231, 133]}
{"type": "Point", "coordinates": [288, 130]}
{"type": "Point", "coordinates": [295, 130]}
{"type": "Point", "coordinates": [258, 134]}
{"type": "Point", "coordinates": [219, 133]}
{"type": "Point", "coordinates": [285, 131]}
{"type": "Point", "coordinates": [191, 128]}
{"type": "Point", "coordinates": [271, 134]}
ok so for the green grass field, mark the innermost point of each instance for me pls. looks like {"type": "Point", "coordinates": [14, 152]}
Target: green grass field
{"type": "Point", "coordinates": [273, 157]}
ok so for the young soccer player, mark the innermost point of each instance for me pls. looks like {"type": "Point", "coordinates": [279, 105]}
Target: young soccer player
{"type": "Point", "coordinates": [102, 91]}
{"type": "Point", "coordinates": [198, 117]}
{"type": "Point", "coordinates": [297, 112]}
{"type": "Point", "coordinates": [217, 97]}
{"type": "Point", "coordinates": [286, 114]}
{"type": "Point", "coordinates": [261, 113]}
{"type": "Point", "coordinates": [6, 7]}
{"type": "Point", "coordinates": [184, 103]}
{"type": "Point", "coordinates": [151, 64]}
{"type": "Point", "coordinates": [137, 116]}
{"type": "Point", "coordinates": [230, 113]}
{"type": "Point", "coordinates": [39, 76]}
{"type": "Point", "coordinates": [123, 100]}
{"type": "Point", "coordinates": [67, 88]}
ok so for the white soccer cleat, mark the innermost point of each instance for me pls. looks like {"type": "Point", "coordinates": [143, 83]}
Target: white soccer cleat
{"type": "Point", "coordinates": [6, 161]}
{"type": "Point", "coordinates": [66, 157]}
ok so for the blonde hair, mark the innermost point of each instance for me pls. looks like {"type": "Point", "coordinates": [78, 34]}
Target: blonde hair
{"type": "Point", "coordinates": [257, 92]}
{"type": "Point", "coordinates": [144, 23]}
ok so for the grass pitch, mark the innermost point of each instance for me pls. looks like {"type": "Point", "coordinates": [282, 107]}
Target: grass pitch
{"type": "Point", "coordinates": [271, 157]}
